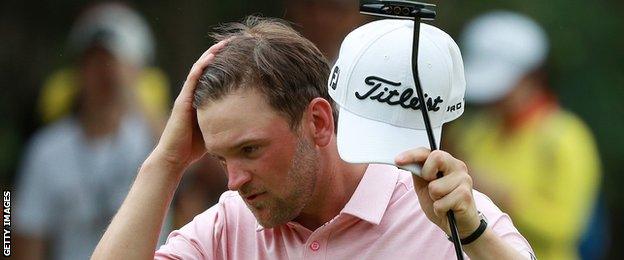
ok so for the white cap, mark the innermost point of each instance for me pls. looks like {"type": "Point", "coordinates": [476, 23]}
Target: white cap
{"type": "Point", "coordinates": [499, 49]}
{"type": "Point", "coordinates": [372, 83]}
{"type": "Point", "coordinates": [117, 28]}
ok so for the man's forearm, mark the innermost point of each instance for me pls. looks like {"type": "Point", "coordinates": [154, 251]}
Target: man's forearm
{"type": "Point", "coordinates": [134, 231]}
{"type": "Point", "coordinates": [491, 246]}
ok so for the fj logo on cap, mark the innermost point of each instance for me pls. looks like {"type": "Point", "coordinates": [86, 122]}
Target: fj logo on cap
{"type": "Point", "coordinates": [406, 99]}
{"type": "Point", "coordinates": [334, 78]}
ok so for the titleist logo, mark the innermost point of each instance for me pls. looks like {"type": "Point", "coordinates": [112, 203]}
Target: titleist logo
{"type": "Point", "coordinates": [406, 99]}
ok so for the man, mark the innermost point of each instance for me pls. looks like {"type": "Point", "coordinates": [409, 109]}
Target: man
{"type": "Point", "coordinates": [323, 22]}
{"type": "Point", "coordinates": [536, 160]}
{"type": "Point", "coordinates": [75, 171]}
{"type": "Point", "coordinates": [264, 110]}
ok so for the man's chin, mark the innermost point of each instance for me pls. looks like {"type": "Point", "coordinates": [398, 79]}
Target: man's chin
{"type": "Point", "coordinates": [265, 219]}
{"type": "Point", "coordinates": [269, 219]}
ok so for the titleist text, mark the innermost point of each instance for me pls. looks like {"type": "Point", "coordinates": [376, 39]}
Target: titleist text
{"type": "Point", "coordinates": [406, 99]}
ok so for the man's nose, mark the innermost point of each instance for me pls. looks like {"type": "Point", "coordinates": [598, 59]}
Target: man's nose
{"type": "Point", "coordinates": [237, 175]}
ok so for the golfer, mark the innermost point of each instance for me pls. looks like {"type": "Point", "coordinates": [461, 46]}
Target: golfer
{"type": "Point", "coordinates": [264, 102]}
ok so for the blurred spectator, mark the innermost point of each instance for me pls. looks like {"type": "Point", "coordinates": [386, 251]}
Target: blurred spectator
{"type": "Point", "coordinates": [534, 159]}
{"type": "Point", "coordinates": [325, 22]}
{"type": "Point", "coordinates": [76, 171]}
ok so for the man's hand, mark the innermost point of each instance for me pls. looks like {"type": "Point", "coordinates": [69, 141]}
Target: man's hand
{"type": "Point", "coordinates": [451, 192]}
{"type": "Point", "coordinates": [181, 142]}
{"type": "Point", "coordinates": [134, 231]}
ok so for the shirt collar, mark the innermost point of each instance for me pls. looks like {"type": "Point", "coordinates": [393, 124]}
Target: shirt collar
{"type": "Point", "coordinates": [372, 196]}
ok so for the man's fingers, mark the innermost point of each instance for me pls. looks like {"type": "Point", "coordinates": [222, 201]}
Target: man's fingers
{"type": "Point", "coordinates": [218, 46]}
{"type": "Point", "coordinates": [437, 161]}
{"type": "Point", "coordinates": [214, 49]}
{"type": "Point", "coordinates": [186, 94]}
{"type": "Point", "coordinates": [419, 183]}
{"type": "Point", "coordinates": [414, 156]}
{"type": "Point", "coordinates": [196, 71]}
{"type": "Point", "coordinates": [433, 162]}
{"type": "Point", "coordinates": [458, 201]}
{"type": "Point", "coordinates": [204, 60]}
{"type": "Point", "coordinates": [443, 186]}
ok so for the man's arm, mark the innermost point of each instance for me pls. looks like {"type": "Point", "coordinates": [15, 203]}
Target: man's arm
{"type": "Point", "coordinates": [134, 231]}
{"type": "Point", "coordinates": [453, 192]}
{"type": "Point", "coordinates": [491, 246]}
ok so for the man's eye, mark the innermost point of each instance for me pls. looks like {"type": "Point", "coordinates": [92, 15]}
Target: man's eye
{"type": "Point", "coordinates": [247, 150]}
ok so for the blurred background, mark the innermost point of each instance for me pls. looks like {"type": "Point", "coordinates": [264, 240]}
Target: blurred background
{"type": "Point", "coordinates": [86, 87]}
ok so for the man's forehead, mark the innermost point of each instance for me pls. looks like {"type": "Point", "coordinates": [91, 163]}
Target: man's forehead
{"type": "Point", "coordinates": [227, 141]}
{"type": "Point", "coordinates": [235, 117]}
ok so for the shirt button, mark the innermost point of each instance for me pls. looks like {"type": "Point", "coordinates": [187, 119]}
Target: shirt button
{"type": "Point", "coordinates": [315, 246]}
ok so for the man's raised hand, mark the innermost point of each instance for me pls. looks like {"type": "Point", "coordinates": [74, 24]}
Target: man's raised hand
{"type": "Point", "coordinates": [453, 191]}
{"type": "Point", "coordinates": [181, 142]}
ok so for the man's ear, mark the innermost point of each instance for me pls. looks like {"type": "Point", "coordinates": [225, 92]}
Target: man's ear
{"type": "Point", "coordinates": [320, 121]}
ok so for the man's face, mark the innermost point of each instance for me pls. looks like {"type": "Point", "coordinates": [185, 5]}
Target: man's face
{"type": "Point", "coordinates": [273, 168]}
{"type": "Point", "coordinates": [103, 76]}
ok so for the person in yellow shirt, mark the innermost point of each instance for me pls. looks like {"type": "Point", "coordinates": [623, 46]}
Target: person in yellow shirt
{"type": "Point", "coordinates": [59, 95]}
{"type": "Point", "coordinates": [533, 158]}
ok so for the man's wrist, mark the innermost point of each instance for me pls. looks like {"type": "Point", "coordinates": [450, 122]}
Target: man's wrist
{"type": "Point", "coordinates": [476, 234]}
{"type": "Point", "coordinates": [486, 235]}
{"type": "Point", "coordinates": [475, 230]}
{"type": "Point", "coordinates": [165, 160]}
{"type": "Point", "coordinates": [156, 160]}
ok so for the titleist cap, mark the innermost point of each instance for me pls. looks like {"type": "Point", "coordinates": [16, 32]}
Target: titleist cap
{"type": "Point", "coordinates": [373, 85]}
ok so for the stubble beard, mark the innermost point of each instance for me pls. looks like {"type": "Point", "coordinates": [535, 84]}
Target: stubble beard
{"type": "Point", "coordinates": [300, 180]}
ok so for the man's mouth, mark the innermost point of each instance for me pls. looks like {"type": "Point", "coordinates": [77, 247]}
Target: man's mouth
{"type": "Point", "coordinates": [252, 197]}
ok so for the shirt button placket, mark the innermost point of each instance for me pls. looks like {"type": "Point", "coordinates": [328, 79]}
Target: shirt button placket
{"type": "Point", "coordinates": [315, 245]}
{"type": "Point", "coordinates": [315, 249]}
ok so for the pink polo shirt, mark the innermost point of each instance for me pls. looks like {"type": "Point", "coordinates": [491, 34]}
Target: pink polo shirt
{"type": "Point", "coordinates": [382, 220]}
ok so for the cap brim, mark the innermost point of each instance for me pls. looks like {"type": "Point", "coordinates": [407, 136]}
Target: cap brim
{"type": "Point", "coordinates": [362, 140]}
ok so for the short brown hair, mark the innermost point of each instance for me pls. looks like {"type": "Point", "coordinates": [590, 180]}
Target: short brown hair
{"type": "Point", "coordinates": [270, 56]}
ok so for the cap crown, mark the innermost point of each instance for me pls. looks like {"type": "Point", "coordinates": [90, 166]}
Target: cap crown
{"type": "Point", "coordinates": [372, 77]}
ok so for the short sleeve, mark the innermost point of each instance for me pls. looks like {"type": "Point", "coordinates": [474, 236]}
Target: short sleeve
{"type": "Point", "coordinates": [502, 225]}
{"type": "Point", "coordinates": [202, 238]}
